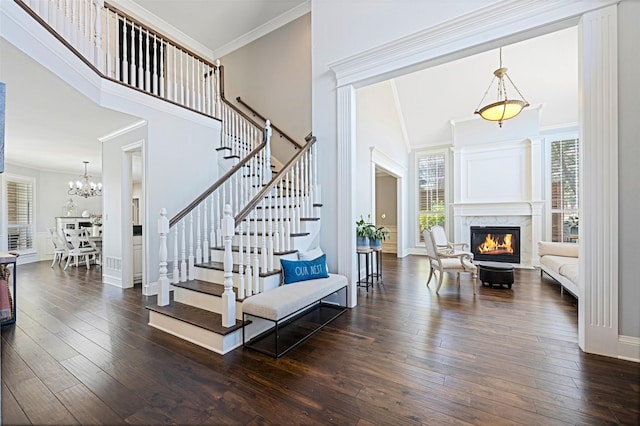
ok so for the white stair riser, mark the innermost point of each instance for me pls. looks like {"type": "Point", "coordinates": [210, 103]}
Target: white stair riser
{"type": "Point", "coordinates": [215, 276]}
{"type": "Point", "coordinates": [305, 226]}
{"type": "Point", "coordinates": [208, 302]}
{"type": "Point", "coordinates": [218, 256]}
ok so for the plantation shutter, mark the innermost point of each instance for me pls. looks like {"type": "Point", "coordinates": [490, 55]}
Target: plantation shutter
{"type": "Point", "coordinates": [565, 164]}
{"type": "Point", "coordinates": [431, 190]}
{"type": "Point", "coordinates": [20, 215]}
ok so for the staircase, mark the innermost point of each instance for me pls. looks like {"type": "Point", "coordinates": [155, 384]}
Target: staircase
{"type": "Point", "coordinates": [276, 215]}
{"type": "Point", "coordinates": [226, 245]}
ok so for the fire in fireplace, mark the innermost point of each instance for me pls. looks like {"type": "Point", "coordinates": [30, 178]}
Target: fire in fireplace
{"type": "Point", "coordinates": [496, 243]}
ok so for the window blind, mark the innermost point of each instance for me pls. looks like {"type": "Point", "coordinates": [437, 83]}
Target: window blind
{"type": "Point", "coordinates": [20, 215]}
{"type": "Point", "coordinates": [431, 190]}
{"type": "Point", "coordinates": [565, 165]}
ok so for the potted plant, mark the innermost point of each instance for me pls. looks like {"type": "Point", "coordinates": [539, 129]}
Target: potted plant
{"type": "Point", "coordinates": [380, 234]}
{"type": "Point", "coordinates": [364, 233]}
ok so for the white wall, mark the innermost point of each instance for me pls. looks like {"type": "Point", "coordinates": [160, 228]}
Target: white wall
{"type": "Point", "coordinates": [180, 162]}
{"type": "Point", "coordinates": [378, 126]}
{"type": "Point", "coordinates": [629, 172]}
{"type": "Point", "coordinates": [273, 76]}
{"type": "Point", "coordinates": [339, 30]}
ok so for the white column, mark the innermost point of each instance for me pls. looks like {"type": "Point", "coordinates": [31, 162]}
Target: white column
{"type": "Point", "coordinates": [346, 115]}
{"type": "Point", "coordinates": [598, 299]}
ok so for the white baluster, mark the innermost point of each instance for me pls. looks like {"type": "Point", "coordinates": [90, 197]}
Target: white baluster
{"type": "Point", "coordinates": [183, 263]}
{"type": "Point", "coordinates": [187, 80]}
{"type": "Point", "coordinates": [282, 217]}
{"type": "Point", "coordinates": [161, 66]}
{"type": "Point", "coordinates": [147, 71]}
{"type": "Point", "coordinates": [228, 297]}
{"type": "Point", "coordinates": [249, 270]}
{"type": "Point", "coordinates": [125, 48]}
{"type": "Point", "coordinates": [154, 59]}
{"type": "Point", "coordinates": [140, 60]}
{"type": "Point", "coordinates": [175, 277]}
{"type": "Point", "coordinates": [275, 219]}
{"type": "Point", "coordinates": [205, 243]}
{"type": "Point", "coordinates": [98, 58]}
{"type": "Point", "coordinates": [192, 269]}
{"type": "Point", "coordinates": [218, 90]}
{"type": "Point", "coordinates": [270, 230]}
{"type": "Point", "coordinates": [267, 153]}
{"type": "Point", "coordinates": [163, 280]}
{"type": "Point", "coordinates": [212, 235]}
{"type": "Point", "coordinates": [219, 241]}
{"type": "Point", "coordinates": [175, 74]}
{"type": "Point", "coordinates": [198, 238]}
{"type": "Point", "coordinates": [109, 65]}
{"type": "Point", "coordinates": [256, 259]}
{"type": "Point", "coordinates": [181, 80]}
{"type": "Point", "coordinates": [241, 291]}
{"type": "Point", "coordinates": [291, 211]}
{"type": "Point", "coordinates": [297, 196]}
{"type": "Point", "coordinates": [132, 63]}
{"type": "Point", "coordinates": [264, 266]}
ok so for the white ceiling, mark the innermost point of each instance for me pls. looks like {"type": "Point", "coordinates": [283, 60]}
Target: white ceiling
{"type": "Point", "coordinates": [51, 126]}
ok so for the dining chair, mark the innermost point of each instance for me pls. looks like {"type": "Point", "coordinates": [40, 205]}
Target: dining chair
{"type": "Point", "coordinates": [59, 246]}
{"type": "Point", "coordinates": [80, 247]}
{"type": "Point", "coordinates": [441, 261]}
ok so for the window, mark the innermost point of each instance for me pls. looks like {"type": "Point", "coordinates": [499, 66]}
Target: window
{"type": "Point", "coordinates": [431, 190]}
{"type": "Point", "coordinates": [20, 225]}
{"type": "Point", "coordinates": [565, 164]}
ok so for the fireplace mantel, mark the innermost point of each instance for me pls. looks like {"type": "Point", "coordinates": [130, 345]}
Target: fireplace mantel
{"type": "Point", "coordinates": [499, 208]}
{"type": "Point", "coordinates": [525, 214]}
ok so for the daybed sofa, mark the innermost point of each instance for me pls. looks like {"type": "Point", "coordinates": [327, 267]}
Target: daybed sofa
{"type": "Point", "coordinates": [560, 262]}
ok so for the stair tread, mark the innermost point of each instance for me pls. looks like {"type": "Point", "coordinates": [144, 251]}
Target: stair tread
{"type": "Point", "coordinates": [222, 148]}
{"type": "Point", "coordinates": [204, 287]}
{"type": "Point", "coordinates": [202, 318]}
{"type": "Point", "coordinates": [237, 248]}
{"type": "Point", "coordinates": [219, 266]}
{"type": "Point", "coordinates": [260, 234]}
{"type": "Point", "coordinates": [308, 219]}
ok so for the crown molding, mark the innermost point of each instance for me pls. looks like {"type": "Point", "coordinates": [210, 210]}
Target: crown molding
{"type": "Point", "coordinates": [122, 131]}
{"type": "Point", "coordinates": [508, 19]}
{"type": "Point", "coordinates": [264, 29]}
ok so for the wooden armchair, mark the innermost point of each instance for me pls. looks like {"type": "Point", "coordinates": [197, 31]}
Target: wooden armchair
{"type": "Point", "coordinates": [442, 261]}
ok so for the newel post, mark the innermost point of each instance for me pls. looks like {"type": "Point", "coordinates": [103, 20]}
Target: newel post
{"type": "Point", "coordinates": [228, 297]}
{"type": "Point", "coordinates": [163, 281]}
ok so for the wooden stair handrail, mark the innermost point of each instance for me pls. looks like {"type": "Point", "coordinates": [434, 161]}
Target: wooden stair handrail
{"type": "Point", "coordinates": [264, 191]}
{"type": "Point", "coordinates": [216, 185]}
{"type": "Point", "coordinates": [283, 134]}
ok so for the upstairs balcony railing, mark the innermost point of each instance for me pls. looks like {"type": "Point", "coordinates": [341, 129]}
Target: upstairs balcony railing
{"type": "Point", "coordinates": [120, 48]}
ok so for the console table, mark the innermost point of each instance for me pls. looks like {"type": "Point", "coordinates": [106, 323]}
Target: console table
{"type": "Point", "coordinates": [9, 261]}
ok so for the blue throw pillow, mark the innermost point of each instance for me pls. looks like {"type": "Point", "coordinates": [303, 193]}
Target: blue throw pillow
{"type": "Point", "coordinates": [302, 270]}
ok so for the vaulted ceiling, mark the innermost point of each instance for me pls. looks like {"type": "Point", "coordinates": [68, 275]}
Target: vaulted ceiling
{"type": "Point", "coordinates": [68, 125]}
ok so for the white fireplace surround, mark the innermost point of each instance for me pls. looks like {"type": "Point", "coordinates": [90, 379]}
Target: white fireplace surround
{"type": "Point", "coordinates": [500, 184]}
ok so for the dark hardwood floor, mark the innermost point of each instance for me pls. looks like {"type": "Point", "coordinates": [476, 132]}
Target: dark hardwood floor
{"type": "Point", "coordinates": [82, 353]}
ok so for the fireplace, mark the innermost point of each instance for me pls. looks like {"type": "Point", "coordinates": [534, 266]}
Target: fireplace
{"type": "Point", "coordinates": [496, 243]}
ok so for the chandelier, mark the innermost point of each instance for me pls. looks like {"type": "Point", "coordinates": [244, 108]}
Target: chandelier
{"type": "Point", "coordinates": [504, 108]}
{"type": "Point", "coordinates": [84, 188]}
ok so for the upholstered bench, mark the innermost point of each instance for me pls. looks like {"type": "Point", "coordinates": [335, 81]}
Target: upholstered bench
{"type": "Point", "coordinates": [297, 310]}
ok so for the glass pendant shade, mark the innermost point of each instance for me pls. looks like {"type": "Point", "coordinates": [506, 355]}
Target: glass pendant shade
{"type": "Point", "coordinates": [504, 108]}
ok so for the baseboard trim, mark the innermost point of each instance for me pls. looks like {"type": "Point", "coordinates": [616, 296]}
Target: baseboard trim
{"type": "Point", "coordinates": [112, 280]}
{"type": "Point", "coordinates": [629, 348]}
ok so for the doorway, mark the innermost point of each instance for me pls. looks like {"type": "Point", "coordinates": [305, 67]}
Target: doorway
{"type": "Point", "coordinates": [386, 208]}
